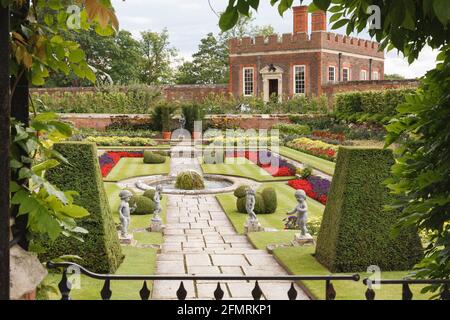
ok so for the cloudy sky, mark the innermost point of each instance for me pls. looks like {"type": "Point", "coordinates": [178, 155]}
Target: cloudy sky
{"type": "Point", "coordinates": [190, 20]}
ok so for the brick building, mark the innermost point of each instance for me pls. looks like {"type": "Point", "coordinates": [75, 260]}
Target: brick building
{"type": "Point", "coordinates": [301, 63]}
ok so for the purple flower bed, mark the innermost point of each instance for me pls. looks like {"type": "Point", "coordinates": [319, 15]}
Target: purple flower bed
{"type": "Point", "coordinates": [320, 185]}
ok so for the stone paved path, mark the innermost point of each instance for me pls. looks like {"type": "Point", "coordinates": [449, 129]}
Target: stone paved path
{"type": "Point", "coordinates": [199, 239]}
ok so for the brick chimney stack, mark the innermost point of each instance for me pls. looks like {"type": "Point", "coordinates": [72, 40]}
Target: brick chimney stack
{"type": "Point", "coordinates": [319, 21]}
{"type": "Point", "coordinates": [300, 19]}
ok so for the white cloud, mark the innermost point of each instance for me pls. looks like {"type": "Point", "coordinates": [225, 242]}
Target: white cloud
{"type": "Point", "coordinates": [189, 21]}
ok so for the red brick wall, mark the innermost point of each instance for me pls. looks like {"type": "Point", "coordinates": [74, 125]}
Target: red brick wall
{"type": "Point", "coordinates": [171, 93]}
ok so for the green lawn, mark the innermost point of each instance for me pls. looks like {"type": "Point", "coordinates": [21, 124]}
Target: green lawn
{"type": "Point", "coordinates": [135, 167]}
{"type": "Point", "coordinates": [286, 202]}
{"type": "Point", "coordinates": [299, 260]}
{"type": "Point", "coordinates": [307, 159]}
{"type": "Point", "coordinates": [241, 167]}
{"type": "Point", "coordinates": [137, 221]}
{"type": "Point", "coordinates": [137, 261]}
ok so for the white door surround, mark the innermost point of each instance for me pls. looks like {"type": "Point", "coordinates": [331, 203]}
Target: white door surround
{"type": "Point", "coordinates": [272, 72]}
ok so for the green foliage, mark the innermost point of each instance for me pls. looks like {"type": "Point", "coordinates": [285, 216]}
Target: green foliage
{"type": "Point", "coordinates": [421, 175]}
{"type": "Point", "coordinates": [157, 57]}
{"type": "Point", "coordinates": [306, 172]}
{"type": "Point", "coordinates": [259, 204]}
{"type": "Point", "coordinates": [369, 106]}
{"type": "Point", "coordinates": [144, 205]}
{"type": "Point", "coordinates": [100, 251]}
{"type": "Point", "coordinates": [192, 112]}
{"type": "Point", "coordinates": [189, 180]}
{"type": "Point", "coordinates": [162, 116]}
{"type": "Point", "coordinates": [269, 196]}
{"type": "Point", "coordinates": [121, 141]}
{"type": "Point", "coordinates": [38, 43]}
{"type": "Point", "coordinates": [150, 193]}
{"type": "Point", "coordinates": [291, 129]}
{"type": "Point", "coordinates": [151, 157]}
{"type": "Point", "coordinates": [315, 122]}
{"type": "Point", "coordinates": [356, 230]}
{"type": "Point", "coordinates": [162, 153]}
{"type": "Point", "coordinates": [209, 64]}
{"type": "Point", "coordinates": [266, 200]}
{"type": "Point", "coordinates": [135, 99]}
{"type": "Point", "coordinates": [51, 212]}
{"type": "Point", "coordinates": [240, 192]}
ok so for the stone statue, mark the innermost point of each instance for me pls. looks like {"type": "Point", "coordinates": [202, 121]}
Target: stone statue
{"type": "Point", "coordinates": [302, 211]}
{"type": "Point", "coordinates": [125, 212]}
{"type": "Point", "coordinates": [182, 121]}
{"type": "Point", "coordinates": [157, 199]}
{"type": "Point", "coordinates": [250, 204]}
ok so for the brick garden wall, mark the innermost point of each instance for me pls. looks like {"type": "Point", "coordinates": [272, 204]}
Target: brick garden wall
{"type": "Point", "coordinates": [101, 121]}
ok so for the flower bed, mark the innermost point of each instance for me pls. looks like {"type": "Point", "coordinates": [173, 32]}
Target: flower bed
{"type": "Point", "coordinates": [315, 187]}
{"type": "Point", "coordinates": [120, 141]}
{"type": "Point", "coordinates": [329, 135]}
{"type": "Point", "coordinates": [314, 147]}
{"type": "Point", "coordinates": [109, 159]}
{"type": "Point", "coordinates": [265, 160]}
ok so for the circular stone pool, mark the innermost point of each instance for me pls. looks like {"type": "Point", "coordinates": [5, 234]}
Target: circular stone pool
{"type": "Point", "coordinates": [213, 184]}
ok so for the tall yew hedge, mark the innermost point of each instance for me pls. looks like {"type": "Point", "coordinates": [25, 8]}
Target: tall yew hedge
{"type": "Point", "coordinates": [356, 230]}
{"type": "Point", "coordinates": [100, 251]}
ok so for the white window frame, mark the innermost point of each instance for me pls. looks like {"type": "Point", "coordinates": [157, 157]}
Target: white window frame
{"type": "Point", "coordinates": [244, 83]}
{"type": "Point", "coordinates": [348, 74]}
{"type": "Point", "coordinates": [294, 68]}
{"type": "Point", "coordinates": [377, 77]}
{"type": "Point", "coordinates": [363, 72]}
{"type": "Point", "coordinates": [334, 74]}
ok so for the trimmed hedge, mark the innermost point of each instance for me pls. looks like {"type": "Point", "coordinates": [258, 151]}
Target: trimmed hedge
{"type": "Point", "coordinates": [153, 158]}
{"type": "Point", "coordinates": [189, 180]}
{"type": "Point", "coordinates": [369, 106]}
{"type": "Point", "coordinates": [150, 193]}
{"type": "Point", "coordinates": [291, 129]}
{"type": "Point", "coordinates": [144, 205]}
{"type": "Point", "coordinates": [356, 230]}
{"type": "Point", "coordinates": [100, 250]}
{"type": "Point", "coordinates": [266, 200]}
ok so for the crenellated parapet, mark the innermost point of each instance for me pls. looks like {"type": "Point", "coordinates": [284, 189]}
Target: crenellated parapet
{"type": "Point", "coordinates": [303, 41]}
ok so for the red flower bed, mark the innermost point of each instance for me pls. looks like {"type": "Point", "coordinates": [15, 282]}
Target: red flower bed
{"type": "Point", "coordinates": [328, 135]}
{"type": "Point", "coordinates": [308, 187]}
{"type": "Point", "coordinates": [109, 159]}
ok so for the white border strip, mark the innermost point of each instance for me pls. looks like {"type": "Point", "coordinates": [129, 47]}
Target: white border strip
{"type": "Point", "coordinates": [267, 53]}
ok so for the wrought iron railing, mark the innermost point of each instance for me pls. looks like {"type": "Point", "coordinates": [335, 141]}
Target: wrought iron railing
{"type": "Point", "coordinates": [106, 293]}
{"type": "Point", "coordinates": [406, 290]}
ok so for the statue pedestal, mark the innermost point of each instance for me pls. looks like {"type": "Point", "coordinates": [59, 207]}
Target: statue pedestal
{"type": "Point", "coordinates": [252, 226]}
{"type": "Point", "coordinates": [156, 225]}
{"type": "Point", "coordinates": [128, 240]}
{"type": "Point", "coordinates": [303, 240]}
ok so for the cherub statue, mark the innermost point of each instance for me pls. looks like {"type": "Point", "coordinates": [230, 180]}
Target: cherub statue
{"type": "Point", "coordinates": [302, 211]}
{"type": "Point", "coordinates": [125, 212]}
{"type": "Point", "coordinates": [250, 204]}
{"type": "Point", "coordinates": [157, 199]}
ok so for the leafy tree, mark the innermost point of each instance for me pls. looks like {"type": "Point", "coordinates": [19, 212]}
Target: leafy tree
{"type": "Point", "coordinates": [421, 176]}
{"type": "Point", "coordinates": [157, 57]}
{"type": "Point", "coordinates": [38, 46]}
{"type": "Point", "coordinates": [209, 64]}
{"type": "Point", "coordinates": [118, 56]}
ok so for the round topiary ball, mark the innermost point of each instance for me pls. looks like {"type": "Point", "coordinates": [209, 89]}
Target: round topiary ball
{"type": "Point", "coordinates": [143, 204]}
{"type": "Point", "coordinates": [240, 192]}
{"type": "Point", "coordinates": [259, 204]}
{"type": "Point", "coordinates": [270, 199]}
{"type": "Point", "coordinates": [189, 180]}
{"type": "Point", "coordinates": [151, 157]}
{"type": "Point", "coordinates": [150, 193]}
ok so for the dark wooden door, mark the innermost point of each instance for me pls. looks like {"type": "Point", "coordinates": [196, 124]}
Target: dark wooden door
{"type": "Point", "coordinates": [273, 87]}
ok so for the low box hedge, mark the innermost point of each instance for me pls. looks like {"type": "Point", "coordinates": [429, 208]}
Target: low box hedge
{"type": "Point", "coordinates": [100, 251]}
{"type": "Point", "coordinates": [356, 230]}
